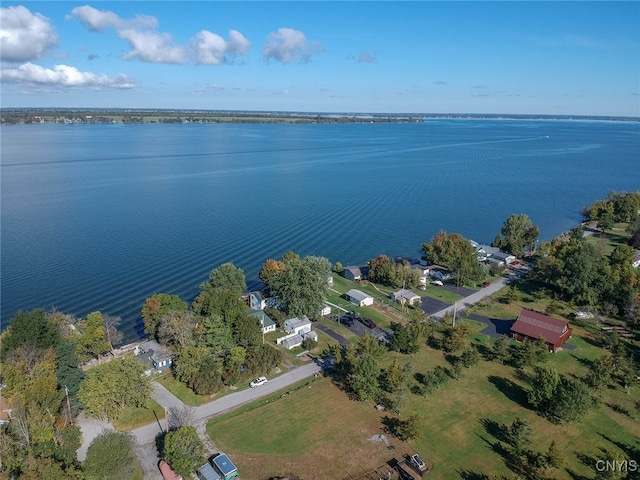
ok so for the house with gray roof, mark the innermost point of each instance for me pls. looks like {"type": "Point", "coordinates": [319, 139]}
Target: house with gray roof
{"type": "Point", "coordinates": [359, 298]}
{"type": "Point", "coordinates": [405, 297]}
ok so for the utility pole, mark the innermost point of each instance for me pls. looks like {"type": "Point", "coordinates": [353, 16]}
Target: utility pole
{"type": "Point", "coordinates": [66, 392]}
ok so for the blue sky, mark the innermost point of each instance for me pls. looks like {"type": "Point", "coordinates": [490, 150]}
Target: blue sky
{"type": "Point", "coordinates": [576, 58]}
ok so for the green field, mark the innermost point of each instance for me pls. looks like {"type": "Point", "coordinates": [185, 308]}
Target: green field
{"type": "Point", "coordinates": [318, 432]}
{"type": "Point", "coordinates": [134, 417]}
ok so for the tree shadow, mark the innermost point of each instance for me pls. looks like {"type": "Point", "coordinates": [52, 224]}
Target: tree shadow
{"type": "Point", "coordinates": [511, 390]}
{"type": "Point", "coordinates": [390, 424]}
{"type": "Point", "coordinates": [630, 451]}
{"type": "Point", "coordinates": [470, 475]}
{"type": "Point", "coordinates": [493, 428]}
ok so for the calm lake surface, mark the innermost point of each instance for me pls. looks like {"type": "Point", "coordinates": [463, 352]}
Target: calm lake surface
{"type": "Point", "coordinates": [100, 217]}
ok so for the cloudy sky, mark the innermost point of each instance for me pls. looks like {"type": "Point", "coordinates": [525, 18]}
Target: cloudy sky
{"type": "Point", "coordinates": [385, 56]}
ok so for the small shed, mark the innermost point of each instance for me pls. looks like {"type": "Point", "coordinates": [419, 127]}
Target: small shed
{"type": "Point", "coordinates": [359, 298]}
{"type": "Point", "coordinates": [405, 297]}
{"type": "Point", "coordinates": [507, 258]}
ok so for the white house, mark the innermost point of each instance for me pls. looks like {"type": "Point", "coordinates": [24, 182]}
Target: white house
{"type": "Point", "coordinates": [260, 299]}
{"type": "Point", "coordinates": [423, 271]}
{"type": "Point", "coordinates": [507, 258]}
{"type": "Point", "coordinates": [405, 297]}
{"type": "Point", "coordinates": [359, 298]}
{"type": "Point", "coordinates": [298, 330]}
{"type": "Point", "coordinates": [266, 322]}
{"type": "Point", "coordinates": [325, 310]}
{"type": "Point", "coordinates": [440, 273]}
{"type": "Point", "coordinates": [297, 325]}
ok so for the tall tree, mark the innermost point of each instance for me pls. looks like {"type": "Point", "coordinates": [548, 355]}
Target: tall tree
{"type": "Point", "coordinates": [228, 277]}
{"type": "Point", "coordinates": [382, 269]}
{"type": "Point", "coordinates": [455, 252]}
{"type": "Point", "coordinates": [183, 450]}
{"type": "Point", "coordinates": [29, 327]}
{"type": "Point", "coordinates": [517, 235]}
{"type": "Point", "coordinates": [302, 285]}
{"type": "Point", "coordinates": [157, 306]}
{"type": "Point", "coordinates": [114, 385]}
{"type": "Point", "coordinates": [92, 339]}
{"type": "Point", "coordinates": [112, 335]}
{"type": "Point", "coordinates": [110, 456]}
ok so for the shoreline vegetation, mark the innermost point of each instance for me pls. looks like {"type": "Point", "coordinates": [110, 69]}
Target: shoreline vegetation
{"type": "Point", "coordinates": [14, 116]}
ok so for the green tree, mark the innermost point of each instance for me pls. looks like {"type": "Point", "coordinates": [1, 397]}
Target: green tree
{"type": "Point", "coordinates": [517, 235]}
{"type": "Point", "coordinates": [519, 435]}
{"type": "Point", "coordinates": [500, 351]}
{"type": "Point", "coordinates": [409, 429]}
{"type": "Point", "coordinates": [112, 386]}
{"type": "Point", "coordinates": [455, 252]}
{"type": "Point", "coordinates": [338, 268]}
{"type": "Point", "coordinates": [183, 450]}
{"type": "Point", "coordinates": [228, 277]}
{"type": "Point", "coordinates": [214, 333]}
{"type": "Point", "coordinates": [599, 372]}
{"type": "Point", "coordinates": [91, 343]}
{"type": "Point", "coordinates": [302, 285]}
{"type": "Point", "coordinates": [29, 328]}
{"type": "Point", "coordinates": [157, 306]}
{"type": "Point", "coordinates": [110, 456]}
{"type": "Point", "coordinates": [572, 400]}
{"type": "Point", "coordinates": [544, 386]}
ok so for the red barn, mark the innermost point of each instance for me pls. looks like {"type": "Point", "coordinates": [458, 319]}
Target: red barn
{"type": "Point", "coordinates": [533, 325]}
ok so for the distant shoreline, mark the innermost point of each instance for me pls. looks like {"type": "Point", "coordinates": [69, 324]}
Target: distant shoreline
{"type": "Point", "coordinates": [11, 116]}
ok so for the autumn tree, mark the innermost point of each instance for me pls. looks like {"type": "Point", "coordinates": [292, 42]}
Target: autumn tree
{"type": "Point", "coordinates": [157, 306]}
{"type": "Point", "coordinates": [91, 343]}
{"type": "Point", "coordinates": [456, 253]}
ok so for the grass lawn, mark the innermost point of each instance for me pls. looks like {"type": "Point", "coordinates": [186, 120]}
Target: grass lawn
{"type": "Point", "coordinates": [319, 433]}
{"type": "Point", "coordinates": [184, 393]}
{"type": "Point", "coordinates": [439, 293]}
{"type": "Point", "coordinates": [133, 417]}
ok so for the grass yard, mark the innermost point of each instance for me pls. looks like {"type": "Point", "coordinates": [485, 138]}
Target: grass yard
{"type": "Point", "coordinates": [133, 417]}
{"type": "Point", "coordinates": [184, 393]}
{"type": "Point", "coordinates": [439, 293]}
{"type": "Point", "coordinates": [317, 432]}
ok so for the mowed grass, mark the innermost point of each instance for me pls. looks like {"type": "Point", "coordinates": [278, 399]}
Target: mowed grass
{"type": "Point", "coordinates": [316, 432]}
{"type": "Point", "coordinates": [319, 433]}
{"type": "Point", "coordinates": [184, 393]}
{"type": "Point", "coordinates": [133, 417]}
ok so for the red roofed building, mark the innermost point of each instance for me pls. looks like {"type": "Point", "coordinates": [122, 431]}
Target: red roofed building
{"type": "Point", "coordinates": [533, 325]}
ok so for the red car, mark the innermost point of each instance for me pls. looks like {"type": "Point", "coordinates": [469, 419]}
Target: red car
{"type": "Point", "coordinates": [486, 284]}
{"type": "Point", "coordinates": [167, 471]}
{"type": "Point", "coordinates": [367, 322]}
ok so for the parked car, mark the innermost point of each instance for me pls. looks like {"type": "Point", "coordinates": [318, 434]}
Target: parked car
{"type": "Point", "coordinates": [367, 322]}
{"type": "Point", "coordinates": [485, 284]}
{"type": "Point", "coordinates": [258, 381]}
{"type": "Point", "coordinates": [167, 472]}
{"type": "Point", "coordinates": [417, 462]}
{"type": "Point", "coordinates": [346, 320]}
{"type": "Point", "coordinates": [437, 282]}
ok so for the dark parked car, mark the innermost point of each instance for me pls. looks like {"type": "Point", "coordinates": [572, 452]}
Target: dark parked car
{"type": "Point", "coordinates": [346, 320]}
{"type": "Point", "coordinates": [367, 322]}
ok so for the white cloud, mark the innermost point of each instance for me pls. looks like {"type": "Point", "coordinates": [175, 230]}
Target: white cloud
{"type": "Point", "coordinates": [288, 45]}
{"type": "Point", "coordinates": [99, 20]}
{"type": "Point", "coordinates": [152, 46]}
{"type": "Point", "coordinates": [62, 75]}
{"type": "Point", "coordinates": [212, 49]}
{"type": "Point", "coordinates": [363, 57]}
{"type": "Point", "coordinates": [24, 35]}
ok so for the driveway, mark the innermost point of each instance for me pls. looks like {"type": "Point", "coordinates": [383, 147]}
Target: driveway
{"type": "Point", "coordinates": [431, 305]}
{"type": "Point", "coordinates": [333, 334]}
{"type": "Point", "coordinates": [495, 327]}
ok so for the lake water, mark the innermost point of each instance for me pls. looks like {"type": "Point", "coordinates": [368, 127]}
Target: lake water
{"type": "Point", "coordinates": [100, 217]}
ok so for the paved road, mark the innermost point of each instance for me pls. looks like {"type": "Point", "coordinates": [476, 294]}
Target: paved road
{"type": "Point", "coordinates": [147, 434]}
{"type": "Point", "coordinates": [473, 298]}
{"type": "Point", "coordinates": [332, 333]}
